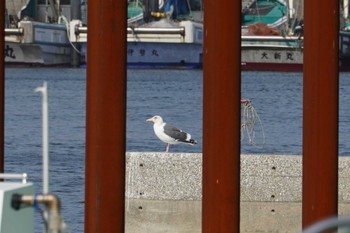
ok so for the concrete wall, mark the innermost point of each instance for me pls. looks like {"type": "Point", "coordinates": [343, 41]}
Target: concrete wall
{"type": "Point", "coordinates": [164, 191]}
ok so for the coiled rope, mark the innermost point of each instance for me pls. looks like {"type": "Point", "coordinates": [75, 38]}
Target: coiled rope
{"type": "Point", "coordinates": [251, 125]}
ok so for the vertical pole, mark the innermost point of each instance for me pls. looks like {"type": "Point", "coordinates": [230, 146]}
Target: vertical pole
{"type": "Point", "coordinates": [320, 106]}
{"type": "Point", "coordinates": [2, 85]}
{"type": "Point", "coordinates": [75, 14]}
{"type": "Point", "coordinates": [45, 139]}
{"type": "Point", "coordinates": [105, 117]}
{"type": "Point", "coordinates": [221, 116]}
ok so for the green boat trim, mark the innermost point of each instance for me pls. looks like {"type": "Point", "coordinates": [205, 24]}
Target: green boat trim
{"type": "Point", "coordinates": [268, 12]}
{"type": "Point", "coordinates": [134, 8]}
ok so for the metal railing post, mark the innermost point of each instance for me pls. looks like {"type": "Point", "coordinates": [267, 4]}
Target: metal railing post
{"type": "Point", "coordinates": [320, 111]}
{"type": "Point", "coordinates": [105, 117]}
{"type": "Point", "coordinates": [2, 86]}
{"type": "Point", "coordinates": [221, 116]}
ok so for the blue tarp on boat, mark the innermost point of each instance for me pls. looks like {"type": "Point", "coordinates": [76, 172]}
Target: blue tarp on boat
{"type": "Point", "coordinates": [180, 7]}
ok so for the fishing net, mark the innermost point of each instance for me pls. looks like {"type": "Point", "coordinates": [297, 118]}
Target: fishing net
{"type": "Point", "coordinates": [252, 128]}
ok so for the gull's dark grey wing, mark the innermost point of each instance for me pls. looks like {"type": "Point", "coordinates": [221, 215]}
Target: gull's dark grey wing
{"type": "Point", "coordinates": [175, 133]}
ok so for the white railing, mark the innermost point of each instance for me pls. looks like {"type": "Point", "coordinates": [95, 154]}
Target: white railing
{"type": "Point", "coordinates": [22, 177]}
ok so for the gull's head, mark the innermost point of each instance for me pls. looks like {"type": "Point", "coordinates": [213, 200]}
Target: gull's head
{"type": "Point", "coordinates": [155, 119]}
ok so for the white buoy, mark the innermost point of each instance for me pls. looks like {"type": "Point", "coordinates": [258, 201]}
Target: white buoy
{"type": "Point", "coordinates": [45, 139]}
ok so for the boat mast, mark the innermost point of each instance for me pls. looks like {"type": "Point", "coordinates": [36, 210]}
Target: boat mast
{"type": "Point", "coordinates": [46, 11]}
{"type": "Point", "coordinates": [58, 7]}
{"type": "Point", "coordinates": [290, 9]}
{"type": "Point", "coordinates": [290, 12]}
{"type": "Point", "coordinates": [55, 8]}
{"type": "Point", "coordinates": [346, 8]}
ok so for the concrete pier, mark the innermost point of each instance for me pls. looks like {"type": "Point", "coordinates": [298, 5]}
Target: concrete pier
{"type": "Point", "coordinates": [164, 191]}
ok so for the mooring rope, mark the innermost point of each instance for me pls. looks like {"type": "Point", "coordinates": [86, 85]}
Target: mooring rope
{"type": "Point", "coordinates": [249, 121]}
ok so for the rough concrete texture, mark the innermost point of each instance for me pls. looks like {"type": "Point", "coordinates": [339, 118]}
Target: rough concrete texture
{"type": "Point", "coordinates": [163, 192]}
{"type": "Point", "coordinates": [159, 176]}
{"type": "Point", "coordinates": [163, 216]}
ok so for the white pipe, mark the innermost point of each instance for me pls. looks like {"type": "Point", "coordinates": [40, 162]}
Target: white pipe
{"type": "Point", "coordinates": [45, 131]}
{"type": "Point", "coordinates": [22, 177]}
{"type": "Point", "coordinates": [291, 9]}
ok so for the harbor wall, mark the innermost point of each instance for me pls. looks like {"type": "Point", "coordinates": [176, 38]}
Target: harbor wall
{"type": "Point", "coordinates": [164, 191]}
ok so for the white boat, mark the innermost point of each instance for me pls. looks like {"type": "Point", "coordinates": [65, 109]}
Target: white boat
{"type": "Point", "coordinates": [35, 42]}
{"type": "Point", "coordinates": [38, 44]}
{"type": "Point", "coordinates": [165, 38]}
{"type": "Point", "coordinates": [174, 46]}
{"type": "Point", "coordinates": [156, 44]}
{"type": "Point", "coordinates": [168, 44]}
{"type": "Point", "coordinates": [272, 53]}
{"type": "Point", "coordinates": [164, 43]}
{"type": "Point", "coordinates": [268, 40]}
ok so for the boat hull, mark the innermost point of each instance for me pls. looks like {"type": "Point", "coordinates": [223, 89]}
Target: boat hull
{"type": "Point", "coordinates": [255, 66]}
{"type": "Point", "coordinates": [36, 55]}
{"type": "Point", "coordinates": [277, 58]}
{"type": "Point", "coordinates": [48, 45]}
{"type": "Point", "coordinates": [40, 44]}
{"type": "Point", "coordinates": [142, 55]}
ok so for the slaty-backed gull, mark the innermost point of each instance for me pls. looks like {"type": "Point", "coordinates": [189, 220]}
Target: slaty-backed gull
{"type": "Point", "coordinates": [170, 134]}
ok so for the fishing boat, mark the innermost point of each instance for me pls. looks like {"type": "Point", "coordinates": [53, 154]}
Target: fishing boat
{"type": "Point", "coordinates": [37, 31]}
{"type": "Point", "coordinates": [171, 34]}
{"type": "Point", "coordinates": [271, 40]}
{"type": "Point", "coordinates": [161, 34]}
{"type": "Point", "coordinates": [267, 48]}
{"type": "Point", "coordinates": [35, 37]}
{"type": "Point", "coordinates": [272, 53]}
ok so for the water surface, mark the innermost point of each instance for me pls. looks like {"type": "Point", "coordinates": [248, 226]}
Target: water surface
{"type": "Point", "coordinates": [176, 95]}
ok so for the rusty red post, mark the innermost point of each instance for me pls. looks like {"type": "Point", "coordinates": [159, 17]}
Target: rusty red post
{"type": "Point", "coordinates": [320, 117]}
{"type": "Point", "coordinates": [2, 86]}
{"type": "Point", "coordinates": [221, 116]}
{"type": "Point", "coordinates": [105, 117]}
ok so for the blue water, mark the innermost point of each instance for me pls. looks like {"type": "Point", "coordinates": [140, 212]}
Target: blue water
{"type": "Point", "coordinates": [174, 94]}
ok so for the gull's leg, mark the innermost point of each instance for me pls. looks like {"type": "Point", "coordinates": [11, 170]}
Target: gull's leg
{"type": "Point", "coordinates": [167, 148]}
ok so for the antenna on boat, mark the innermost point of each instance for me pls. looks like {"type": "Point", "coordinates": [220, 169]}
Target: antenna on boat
{"type": "Point", "coordinates": [45, 136]}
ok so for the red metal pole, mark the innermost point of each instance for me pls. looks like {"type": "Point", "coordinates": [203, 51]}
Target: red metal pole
{"type": "Point", "coordinates": [221, 116]}
{"type": "Point", "coordinates": [2, 86]}
{"type": "Point", "coordinates": [320, 104]}
{"type": "Point", "coordinates": [105, 117]}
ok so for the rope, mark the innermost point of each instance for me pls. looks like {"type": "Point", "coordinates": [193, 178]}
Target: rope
{"type": "Point", "coordinates": [66, 23]}
{"type": "Point", "coordinates": [189, 8]}
{"type": "Point", "coordinates": [250, 119]}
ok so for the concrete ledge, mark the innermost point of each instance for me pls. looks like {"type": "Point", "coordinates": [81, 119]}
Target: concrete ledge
{"type": "Point", "coordinates": [160, 176]}
{"type": "Point", "coordinates": [164, 191]}
{"type": "Point", "coordinates": [163, 216]}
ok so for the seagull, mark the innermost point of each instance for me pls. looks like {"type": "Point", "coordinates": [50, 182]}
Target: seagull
{"type": "Point", "coordinates": [169, 134]}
